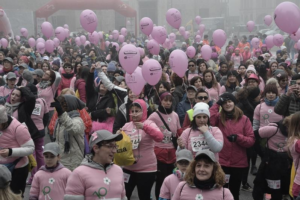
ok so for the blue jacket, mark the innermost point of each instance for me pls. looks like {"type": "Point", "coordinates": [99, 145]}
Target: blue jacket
{"type": "Point", "coordinates": [182, 107]}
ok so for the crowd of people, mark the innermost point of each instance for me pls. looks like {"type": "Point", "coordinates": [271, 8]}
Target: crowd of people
{"type": "Point", "coordinates": [195, 137]}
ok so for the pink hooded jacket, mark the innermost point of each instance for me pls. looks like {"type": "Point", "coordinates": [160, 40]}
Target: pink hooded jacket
{"type": "Point", "coordinates": [143, 142]}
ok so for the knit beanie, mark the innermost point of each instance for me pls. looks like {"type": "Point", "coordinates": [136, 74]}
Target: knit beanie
{"type": "Point", "coordinates": [228, 96]}
{"type": "Point", "coordinates": [27, 75]}
{"type": "Point", "coordinates": [3, 116]}
{"type": "Point", "coordinates": [252, 68]}
{"type": "Point", "coordinates": [254, 93]}
{"type": "Point", "coordinates": [279, 73]}
{"type": "Point", "coordinates": [201, 108]}
{"type": "Point", "coordinates": [111, 67]}
{"type": "Point", "coordinates": [56, 62]}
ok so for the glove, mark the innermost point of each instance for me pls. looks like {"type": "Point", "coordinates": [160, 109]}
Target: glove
{"type": "Point", "coordinates": [232, 138]}
{"type": "Point", "coordinates": [58, 107]}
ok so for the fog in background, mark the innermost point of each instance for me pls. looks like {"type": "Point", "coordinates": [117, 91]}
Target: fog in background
{"type": "Point", "coordinates": [230, 15]}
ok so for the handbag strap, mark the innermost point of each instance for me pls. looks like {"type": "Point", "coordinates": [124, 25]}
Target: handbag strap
{"type": "Point", "coordinates": [162, 119]}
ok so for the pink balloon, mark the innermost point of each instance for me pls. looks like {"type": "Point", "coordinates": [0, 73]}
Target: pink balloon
{"type": "Point", "coordinates": [219, 37]}
{"type": "Point", "coordinates": [250, 26]}
{"type": "Point", "coordinates": [82, 39]}
{"type": "Point", "coordinates": [182, 30]}
{"type": "Point", "coordinates": [94, 38]}
{"type": "Point", "coordinates": [47, 29]}
{"type": "Point", "coordinates": [107, 43]}
{"type": "Point", "coordinates": [60, 50]}
{"type": "Point", "coordinates": [186, 35]}
{"type": "Point", "coordinates": [115, 34]}
{"type": "Point", "coordinates": [40, 46]}
{"type": "Point", "coordinates": [298, 44]}
{"type": "Point", "coordinates": [60, 33]}
{"type": "Point", "coordinates": [124, 43]}
{"type": "Point", "coordinates": [67, 33]}
{"type": "Point", "coordinates": [198, 38]}
{"type": "Point", "coordinates": [178, 62]}
{"type": "Point", "coordinates": [191, 52]}
{"type": "Point", "coordinates": [66, 26]}
{"type": "Point", "coordinates": [198, 20]}
{"type": "Point", "coordinates": [77, 41]}
{"type": "Point", "coordinates": [100, 35]}
{"type": "Point", "coordinates": [31, 42]}
{"type": "Point", "coordinates": [24, 32]}
{"type": "Point", "coordinates": [87, 43]}
{"type": "Point", "coordinates": [151, 71]}
{"type": "Point", "coordinates": [287, 17]}
{"type": "Point", "coordinates": [56, 42]}
{"type": "Point", "coordinates": [18, 38]}
{"type": "Point", "coordinates": [49, 46]}
{"type": "Point", "coordinates": [40, 40]}
{"type": "Point", "coordinates": [206, 52]}
{"type": "Point", "coordinates": [172, 37]}
{"type": "Point", "coordinates": [268, 20]}
{"type": "Point", "coordinates": [167, 44]}
{"type": "Point", "coordinates": [153, 47]}
{"type": "Point", "coordinates": [129, 57]}
{"type": "Point", "coordinates": [121, 38]}
{"type": "Point", "coordinates": [88, 20]}
{"type": "Point", "coordinates": [110, 37]}
{"type": "Point", "coordinates": [4, 43]}
{"type": "Point", "coordinates": [296, 36]}
{"type": "Point", "coordinates": [278, 40]}
{"type": "Point", "coordinates": [255, 42]}
{"type": "Point", "coordinates": [269, 41]}
{"type": "Point", "coordinates": [173, 17]}
{"type": "Point", "coordinates": [116, 45]}
{"type": "Point", "coordinates": [135, 81]}
{"type": "Point", "coordinates": [124, 32]}
{"type": "Point", "coordinates": [201, 28]}
{"type": "Point", "coordinates": [142, 51]}
{"type": "Point", "coordinates": [159, 34]}
{"type": "Point", "coordinates": [146, 25]}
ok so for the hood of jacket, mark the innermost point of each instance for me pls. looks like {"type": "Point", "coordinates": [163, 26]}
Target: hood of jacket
{"type": "Point", "coordinates": [51, 170]}
{"type": "Point", "coordinates": [88, 161]}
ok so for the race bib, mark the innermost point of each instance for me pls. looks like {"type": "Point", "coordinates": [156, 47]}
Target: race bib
{"type": "Point", "coordinates": [126, 177]}
{"type": "Point", "coordinates": [167, 136]}
{"type": "Point", "coordinates": [37, 110]}
{"type": "Point", "coordinates": [198, 143]}
{"type": "Point", "coordinates": [273, 184]}
{"type": "Point", "coordinates": [227, 178]}
{"type": "Point", "coordinates": [135, 140]}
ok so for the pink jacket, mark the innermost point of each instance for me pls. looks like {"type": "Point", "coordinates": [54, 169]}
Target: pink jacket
{"type": "Point", "coordinates": [233, 154]}
{"type": "Point", "coordinates": [186, 192]}
{"type": "Point", "coordinates": [48, 184]}
{"type": "Point", "coordinates": [16, 137]}
{"type": "Point", "coordinates": [143, 142]}
{"type": "Point", "coordinates": [92, 181]}
{"type": "Point", "coordinates": [38, 113]}
{"type": "Point", "coordinates": [214, 93]}
{"type": "Point", "coordinates": [168, 187]}
{"type": "Point", "coordinates": [4, 91]}
{"type": "Point", "coordinates": [65, 83]}
{"type": "Point", "coordinates": [196, 140]}
{"type": "Point", "coordinates": [277, 141]}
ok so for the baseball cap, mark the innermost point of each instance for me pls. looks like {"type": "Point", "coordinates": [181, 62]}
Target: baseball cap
{"type": "Point", "coordinates": [191, 87]}
{"type": "Point", "coordinates": [8, 59]}
{"type": "Point", "coordinates": [38, 72]}
{"type": "Point", "coordinates": [5, 176]}
{"type": "Point", "coordinates": [184, 154]}
{"type": "Point", "coordinates": [11, 75]}
{"type": "Point", "coordinates": [103, 63]}
{"type": "Point", "coordinates": [53, 148]}
{"type": "Point", "coordinates": [120, 78]}
{"type": "Point", "coordinates": [103, 135]}
{"type": "Point", "coordinates": [207, 153]}
{"type": "Point", "coordinates": [84, 63]}
{"type": "Point", "coordinates": [45, 58]}
{"type": "Point", "coordinates": [23, 65]}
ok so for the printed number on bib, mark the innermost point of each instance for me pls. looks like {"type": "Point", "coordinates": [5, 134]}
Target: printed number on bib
{"type": "Point", "coordinates": [126, 177]}
{"type": "Point", "coordinates": [135, 140]}
{"type": "Point", "coordinates": [273, 184]}
{"type": "Point", "coordinates": [198, 143]}
{"type": "Point", "coordinates": [37, 109]}
{"type": "Point", "coordinates": [227, 178]}
{"type": "Point", "coordinates": [167, 136]}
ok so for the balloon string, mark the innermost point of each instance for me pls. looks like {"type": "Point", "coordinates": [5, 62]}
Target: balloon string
{"type": "Point", "coordinates": [186, 92]}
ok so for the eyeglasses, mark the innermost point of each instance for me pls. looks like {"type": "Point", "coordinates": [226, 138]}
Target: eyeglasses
{"type": "Point", "coordinates": [68, 67]}
{"type": "Point", "coordinates": [111, 147]}
{"type": "Point", "coordinates": [202, 97]}
{"type": "Point", "coordinates": [191, 65]}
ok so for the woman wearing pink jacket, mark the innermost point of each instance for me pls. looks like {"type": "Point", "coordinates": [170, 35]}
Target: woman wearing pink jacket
{"type": "Point", "coordinates": [143, 133]}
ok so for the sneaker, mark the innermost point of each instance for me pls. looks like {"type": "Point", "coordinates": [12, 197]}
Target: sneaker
{"type": "Point", "coordinates": [246, 188]}
{"type": "Point", "coordinates": [253, 170]}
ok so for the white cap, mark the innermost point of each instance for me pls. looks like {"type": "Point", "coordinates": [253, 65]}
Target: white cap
{"type": "Point", "coordinates": [45, 58]}
{"type": "Point", "coordinates": [201, 108]}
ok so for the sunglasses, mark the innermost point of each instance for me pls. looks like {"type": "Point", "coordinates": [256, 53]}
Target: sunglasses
{"type": "Point", "coordinates": [202, 97]}
{"type": "Point", "coordinates": [68, 67]}
{"type": "Point", "coordinates": [191, 65]}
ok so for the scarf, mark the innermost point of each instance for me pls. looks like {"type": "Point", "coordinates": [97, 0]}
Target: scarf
{"type": "Point", "coordinates": [68, 76]}
{"type": "Point", "coordinates": [272, 102]}
{"type": "Point", "coordinates": [165, 111]}
{"type": "Point", "coordinates": [208, 85]}
{"type": "Point", "coordinates": [72, 114]}
{"type": "Point", "coordinates": [44, 84]}
{"type": "Point", "coordinates": [179, 174]}
{"type": "Point", "coordinates": [11, 108]}
{"type": "Point", "coordinates": [204, 185]}
{"type": "Point", "coordinates": [229, 115]}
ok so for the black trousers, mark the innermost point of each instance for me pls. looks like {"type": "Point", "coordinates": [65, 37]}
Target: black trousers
{"type": "Point", "coordinates": [143, 181]}
{"type": "Point", "coordinates": [235, 180]}
{"type": "Point", "coordinates": [163, 170]}
{"type": "Point", "coordinates": [18, 181]}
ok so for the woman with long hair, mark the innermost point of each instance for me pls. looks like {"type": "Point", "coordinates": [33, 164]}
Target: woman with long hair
{"type": "Point", "coordinates": [204, 179]}
{"type": "Point", "coordinates": [197, 82]}
{"type": "Point", "coordinates": [211, 84]}
{"type": "Point", "coordinates": [238, 136]}
{"type": "Point", "coordinates": [231, 83]}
